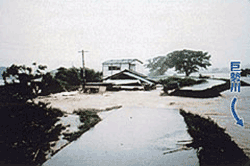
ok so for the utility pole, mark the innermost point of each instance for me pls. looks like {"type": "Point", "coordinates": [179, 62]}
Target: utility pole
{"type": "Point", "coordinates": [83, 68]}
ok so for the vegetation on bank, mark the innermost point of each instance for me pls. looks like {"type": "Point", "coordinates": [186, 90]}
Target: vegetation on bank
{"type": "Point", "coordinates": [88, 118]}
{"type": "Point", "coordinates": [214, 146]}
{"type": "Point", "coordinates": [245, 72]}
{"type": "Point", "coordinates": [29, 82]}
{"type": "Point", "coordinates": [72, 78]}
{"type": "Point", "coordinates": [26, 130]}
{"type": "Point", "coordinates": [206, 93]}
{"type": "Point", "coordinates": [176, 82]}
{"type": "Point", "coordinates": [182, 81]}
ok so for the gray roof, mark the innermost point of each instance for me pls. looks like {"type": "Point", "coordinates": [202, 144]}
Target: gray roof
{"type": "Point", "coordinates": [126, 70]}
{"type": "Point", "coordinates": [132, 74]}
{"type": "Point", "coordinates": [126, 61]}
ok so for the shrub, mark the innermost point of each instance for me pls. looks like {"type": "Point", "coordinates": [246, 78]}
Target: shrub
{"type": "Point", "coordinates": [24, 80]}
{"type": "Point", "coordinates": [88, 118]}
{"type": "Point", "coordinates": [50, 85]}
{"type": "Point", "coordinates": [181, 81]}
{"type": "Point", "coordinates": [245, 72]}
{"type": "Point", "coordinates": [176, 82]}
{"type": "Point", "coordinates": [26, 130]}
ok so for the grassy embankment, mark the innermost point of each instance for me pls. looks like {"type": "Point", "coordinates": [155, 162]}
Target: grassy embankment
{"type": "Point", "coordinates": [214, 146]}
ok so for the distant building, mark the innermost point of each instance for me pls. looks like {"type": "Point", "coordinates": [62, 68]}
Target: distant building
{"type": "Point", "coordinates": [111, 67]}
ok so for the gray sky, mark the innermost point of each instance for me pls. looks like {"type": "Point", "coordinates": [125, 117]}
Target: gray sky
{"type": "Point", "coordinates": [52, 32]}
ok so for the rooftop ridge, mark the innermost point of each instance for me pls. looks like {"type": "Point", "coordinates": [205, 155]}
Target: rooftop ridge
{"type": "Point", "coordinates": [121, 61]}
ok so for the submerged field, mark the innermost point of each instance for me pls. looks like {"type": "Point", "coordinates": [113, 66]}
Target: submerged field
{"type": "Point", "coordinates": [217, 108]}
{"type": "Point", "coordinates": [144, 103]}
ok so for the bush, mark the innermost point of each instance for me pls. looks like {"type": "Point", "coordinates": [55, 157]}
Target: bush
{"type": "Point", "coordinates": [50, 85]}
{"type": "Point", "coordinates": [29, 83]}
{"type": "Point", "coordinates": [176, 82]}
{"type": "Point", "coordinates": [26, 78]}
{"type": "Point", "coordinates": [88, 118]}
{"type": "Point", "coordinates": [72, 78]}
{"type": "Point", "coordinates": [181, 81]}
{"type": "Point", "coordinates": [245, 72]}
{"type": "Point", "coordinates": [201, 76]}
{"type": "Point", "coordinates": [26, 130]}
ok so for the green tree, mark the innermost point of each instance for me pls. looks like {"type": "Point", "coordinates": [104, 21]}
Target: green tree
{"type": "Point", "coordinates": [184, 61]}
{"type": "Point", "coordinates": [158, 65]}
{"type": "Point", "coordinates": [22, 74]}
{"type": "Point", "coordinates": [93, 76]}
{"type": "Point", "coordinates": [68, 77]}
{"type": "Point", "coordinates": [25, 80]}
{"type": "Point", "coordinates": [72, 77]}
{"type": "Point", "coordinates": [50, 85]}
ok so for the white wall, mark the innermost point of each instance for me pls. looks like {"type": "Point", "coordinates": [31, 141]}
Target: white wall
{"type": "Point", "coordinates": [107, 72]}
{"type": "Point", "coordinates": [138, 68]}
{"type": "Point", "coordinates": [124, 66]}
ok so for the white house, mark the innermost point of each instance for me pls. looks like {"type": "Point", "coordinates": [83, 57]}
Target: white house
{"type": "Point", "coordinates": [111, 67]}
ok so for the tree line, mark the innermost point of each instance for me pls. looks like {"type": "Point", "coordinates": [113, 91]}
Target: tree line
{"type": "Point", "coordinates": [184, 61]}
{"type": "Point", "coordinates": [28, 129]}
{"type": "Point", "coordinates": [23, 82]}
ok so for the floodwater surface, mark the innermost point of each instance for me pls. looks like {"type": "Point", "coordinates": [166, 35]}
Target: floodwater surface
{"type": "Point", "coordinates": [131, 136]}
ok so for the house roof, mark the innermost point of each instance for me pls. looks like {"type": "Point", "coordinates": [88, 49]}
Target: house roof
{"type": "Point", "coordinates": [123, 82]}
{"type": "Point", "coordinates": [125, 61]}
{"type": "Point", "coordinates": [132, 74]}
{"type": "Point", "coordinates": [126, 70]}
{"type": "Point", "coordinates": [139, 78]}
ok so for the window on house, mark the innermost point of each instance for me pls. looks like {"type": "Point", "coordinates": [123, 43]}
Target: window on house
{"type": "Point", "coordinates": [114, 68]}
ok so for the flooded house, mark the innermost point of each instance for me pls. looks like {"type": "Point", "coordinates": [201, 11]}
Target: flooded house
{"type": "Point", "coordinates": [123, 74]}
{"type": "Point", "coordinates": [111, 67]}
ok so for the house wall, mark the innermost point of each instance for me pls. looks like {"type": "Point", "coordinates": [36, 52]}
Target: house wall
{"type": "Point", "coordinates": [139, 68]}
{"type": "Point", "coordinates": [122, 66]}
{"type": "Point", "coordinates": [107, 72]}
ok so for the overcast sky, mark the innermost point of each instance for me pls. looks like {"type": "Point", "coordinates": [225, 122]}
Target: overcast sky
{"type": "Point", "coordinates": [52, 32]}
